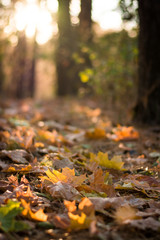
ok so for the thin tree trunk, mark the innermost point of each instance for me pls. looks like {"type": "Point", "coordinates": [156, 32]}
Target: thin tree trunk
{"type": "Point", "coordinates": [64, 60]}
{"type": "Point", "coordinates": [85, 18]}
{"type": "Point", "coordinates": [18, 84]}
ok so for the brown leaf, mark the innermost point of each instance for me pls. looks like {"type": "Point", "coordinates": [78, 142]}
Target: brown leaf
{"type": "Point", "coordinates": [17, 156]}
{"type": "Point", "coordinates": [125, 213]}
{"type": "Point", "coordinates": [97, 183]}
{"type": "Point", "coordinates": [148, 223]}
{"type": "Point", "coordinates": [61, 190]}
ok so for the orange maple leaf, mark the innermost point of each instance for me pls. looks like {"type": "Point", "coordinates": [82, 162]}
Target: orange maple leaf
{"type": "Point", "coordinates": [79, 218]}
{"type": "Point", "coordinates": [38, 216]}
{"type": "Point", "coordinates": [123, 132]}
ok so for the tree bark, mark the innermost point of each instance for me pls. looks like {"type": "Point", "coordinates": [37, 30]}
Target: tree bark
{"type": "Point", "coordinates": [19, 84]}
{"type": "Point", "coordinates": [148, 103]}
{"type": "Point", "coordinates": [64, 62]}
{"type": "Point", "coordinates": [85, 18]}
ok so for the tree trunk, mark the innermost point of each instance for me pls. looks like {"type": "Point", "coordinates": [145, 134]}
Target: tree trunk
{"type": "Point", "coordinates": [32, 68]}
{"type": "Point", "coordinates": [19, 84]}
{"type": "Point", "coordinates": [148, 103]}
{"type": "Point", "coordinates": [64, 62]}
{"type": "Point", "coordinates": [85, 18]}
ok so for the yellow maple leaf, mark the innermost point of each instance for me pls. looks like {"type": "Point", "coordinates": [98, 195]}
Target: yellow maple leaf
{"type": "Point", "coordinates": [103, 160]}
{"type": "Point", "coordinates": [66, 176]}
{"type": "Point", "coordinates": [56, 176]}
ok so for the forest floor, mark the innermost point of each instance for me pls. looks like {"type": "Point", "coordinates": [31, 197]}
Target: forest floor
{"type": "Point", "coordinates": [69, 170]}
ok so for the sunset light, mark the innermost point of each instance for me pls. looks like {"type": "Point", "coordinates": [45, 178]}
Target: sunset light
{"type": "Point", "coordinates": [34, 17]}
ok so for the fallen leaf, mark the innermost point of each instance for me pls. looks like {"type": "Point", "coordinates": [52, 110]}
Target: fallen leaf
{"type": "Point", "coordinates": [38, 216]}
{"type": "Point", "coordinates": [102, 160]}
{"type": "Point", "coordinates": [71, 206]}
{"type": "Point", "coordinates": [96, 133]}
{"type": "Point", "coordinates": [124, 133]}
{"type": "Point", "coordinates": [61, 190]}
{"type": "Point", "coordinates": [18, 156]}
{"type": "Point", "coordinates": [8, 213]}
{"type": "Point", "coordinates": [97, 183]}
{"type": "Point", "coordinates": [148, 223]}
{"type": "Point", "coordinates": [124, 214]}
{"type": "Point", "coordinates": [66, 176]}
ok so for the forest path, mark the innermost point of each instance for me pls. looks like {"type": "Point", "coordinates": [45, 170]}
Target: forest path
{"type": "Point", "coordinates": [76, 172]}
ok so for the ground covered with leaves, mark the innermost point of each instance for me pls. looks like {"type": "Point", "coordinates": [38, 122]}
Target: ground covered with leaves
{"type": "Point", "coordinates": [70, 171]}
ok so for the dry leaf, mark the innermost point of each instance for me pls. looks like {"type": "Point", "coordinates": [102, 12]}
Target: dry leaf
{"type": "Point", "coordinates": [97, 183]}
{"type": "Point", "coordinates": [97, 133]}
{"type": "Point", "coordinates": [17, 156]}
{"type": "Point", "coordinates": [61, 190]}
{"type": "Point", "coordinates": [102, 160]}
{"type": "Point", "coordinates": [125, 214]}
{"type": "Point", "coordinates": [67, 176]}
{"type": "Point", "coordinates": [124, 133]}
{"type": "Point", "coordinates": [38, 216]}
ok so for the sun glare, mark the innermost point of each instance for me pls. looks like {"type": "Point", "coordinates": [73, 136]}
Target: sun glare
{"type": "Point", "coordinates": [36, 19]}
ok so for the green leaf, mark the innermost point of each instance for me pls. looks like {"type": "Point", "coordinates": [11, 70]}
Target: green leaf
{"type": "Point", "coordinates": [7, 217]}
{"type": "Point", "coordinates": [19, 122]}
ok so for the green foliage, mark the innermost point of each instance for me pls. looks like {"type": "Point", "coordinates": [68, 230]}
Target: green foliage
{"type": "Point", "coordinates": [114, 62]}
{"type": "Point", "coordinates": [7, 217]}
{"type": "Point", "coordinates": [128, 9]}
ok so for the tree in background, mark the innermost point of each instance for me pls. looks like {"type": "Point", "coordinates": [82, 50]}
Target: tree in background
{"type": "Point", "coordinates": [85, 18]}
{"type": "Point", "coordinates": [148, 103]}
{"type": "Point", "coordinates": [147, 109]}
{"type": "Point", "coordinates": [64, 61]}
{"type": "Point", "coordinates": [18, 81]}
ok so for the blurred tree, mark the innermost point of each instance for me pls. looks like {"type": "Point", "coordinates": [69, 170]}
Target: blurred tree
{"type": "Point", "coordinates": [64, 61]}
{"type": "Point", "coordinates": [18, 81]}
{"type": "Point", "coordinates": [148, 103]}
{"type": "Point", "coordinates": [5, 12]}
{"type": "Point", "coordinates": [32, 70]}
{"type": "Point", "coordinates": [1, 67]}
{"type": "Point", "coordinates": [85, 18]}
{"type": "Point", "coordinates": [113, 72]}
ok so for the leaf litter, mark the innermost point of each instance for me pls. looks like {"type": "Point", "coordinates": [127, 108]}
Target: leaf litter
{"type": "Point", "coordinates": [68, 173]}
